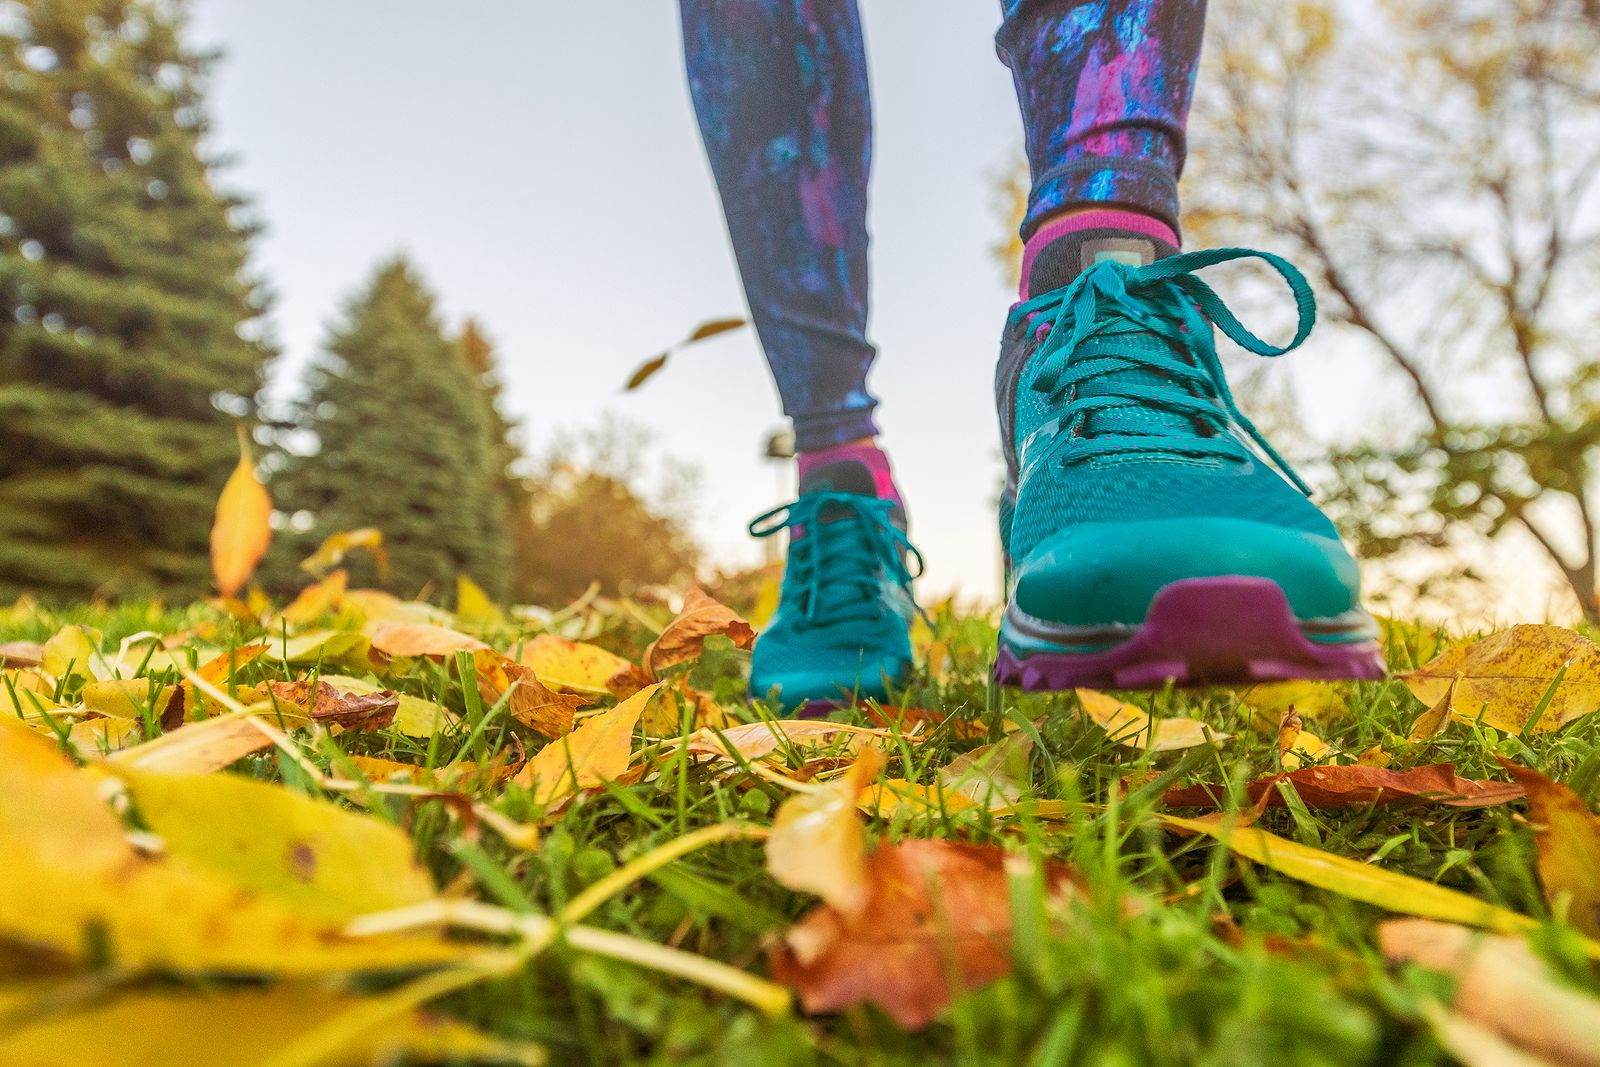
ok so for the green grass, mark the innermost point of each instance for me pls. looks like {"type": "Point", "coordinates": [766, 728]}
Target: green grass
{"type": "Point", "coordinates": [1213, 962]}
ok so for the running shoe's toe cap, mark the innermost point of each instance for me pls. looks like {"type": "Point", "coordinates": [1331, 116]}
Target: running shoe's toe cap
{"type": "Point", "coordinates": [810, 666]}
{"type": "Point", "coordinates": [1104, 573]}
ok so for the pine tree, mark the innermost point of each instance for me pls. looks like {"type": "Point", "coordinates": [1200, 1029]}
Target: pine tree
{"type": "Point", "coordinates": [127, 317]}
{"type": "Point", "coordinates": [506, 458]}
{"type": "Point", "coordinates": [404, 442]}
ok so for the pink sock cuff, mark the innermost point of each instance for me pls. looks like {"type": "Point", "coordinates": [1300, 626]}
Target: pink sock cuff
{"type": "Point", "coordinates": [869, 456]}
{"type": "Point", "coordinates": [1106, 219]}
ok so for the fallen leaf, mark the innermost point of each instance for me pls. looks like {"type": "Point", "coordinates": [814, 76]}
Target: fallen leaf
{"type": "Point", "coordinates": [1502, 678]}
{"type": "Point", "coordinates": [321, 646]}
{"type": "Point", "coordinates": [74, 651]}
{"type": "Point", "coordinates": [245, 1028]}
{"type": "Point", "coordinates": [197, 747]}
{"type": "Point", "coordinates": [1350, 878]}
{"type": "Point", "coordinates": [1316, 701]}
{"type": "Point", "coordinates": [218, 670]}
{"type": "Point", "coordinates": [96, 737]}
{"type": "Point", "coordinates": [1298, 746]}
{"type": "Point", "coordinates": [74, 883]}
{"type": "Point", "coordinates": [1502, 986]}
{"type": "Point", "coordinates": [1433, 721]}
{"type": "Point", "coordinates": [422, 639]}
{"type": "Point", "coordinates": [474, 607]}
{"type": "Point", "coordinates": [326, 704]}
{"type": "Point", "coordinates": [598, 750]}
{"type": "Point", "coordinates": [1568, 838]}
{"type": "Point", "coordinates": [242, 528]}
{"type": "Point", "coordinates": [316, 600]}
{"type": "Point", "coordinates": [757, 740]}
{"type": "Point", "coordinates": [664, 718]}
{"type": "Point", "coordinates": [21, 654]}
{"type": "Point", "coordinates": [1340, 787]}
{"type": "Point", "coordinates": [531, 702]}
{"type": "Point", "coordinates": [909, 719]}
{"type": "Point", "coordinates": [414, 716]}
{"type": "Point", "coordinates": [995, 776]}
{"type": "Point", "coordinates": [377, 607]}
{"type": "Point", "coordinates": [1125, 724]}
{"type": "Point", "coordinates": [819, 842]}
{"type": "Point", "coordinates": [936, 922]}
{"type": "Point", "coordinates": [685, 636]}
{"type": "Point", "coordinates": [574, 665]}
{"type": "Point", "coordinates": [333, 550]}
{"type": "Point", "coordinates": [26, 694]}
{"type": "Point", "coordinates": [131, 698]}
{"type": "Point", "coordinates": [896, 795]}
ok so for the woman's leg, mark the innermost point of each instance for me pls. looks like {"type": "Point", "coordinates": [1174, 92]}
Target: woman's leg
{"type": "Point", "coordinates": [780, 89]}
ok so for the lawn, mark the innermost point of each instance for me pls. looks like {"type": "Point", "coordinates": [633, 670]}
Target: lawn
{"type": "Point", "coordinates": [393, 834]}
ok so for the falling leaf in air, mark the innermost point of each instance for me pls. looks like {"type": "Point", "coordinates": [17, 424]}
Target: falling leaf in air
{"type": "Point", "coordinates": [598, 750]}
{"type": "Point", "coordinates": [1568, 838]}
{"type": "Point", "coordinates": [1340, 787]}
{"type": "Point", "coordinates": [936, 922]}
{"type": "Point", "coordinates": [648, 369]}
{"type": "Point", "coordinates": [531, 703]}
{"type": "Point", "coordinates": [819, 842]}
{"type": "Point", "coordinates": [332, 551]}
{"type": "Point", "coordinates": [242, 528]}
{"type": "Point", "coordinates": [685, 636]}
{"type": "Point", "coordinates": [1127, 725]}
{"type": "Point", "coordinates": [1504, 677]}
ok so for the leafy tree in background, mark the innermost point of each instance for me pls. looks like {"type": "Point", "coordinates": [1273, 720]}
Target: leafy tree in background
{"type": "Point", "coordinates": [403, 442]}
{"type": "Point", "coordinates": [128, 322]}
{"type": "Point", "coordinates": [506, 459]}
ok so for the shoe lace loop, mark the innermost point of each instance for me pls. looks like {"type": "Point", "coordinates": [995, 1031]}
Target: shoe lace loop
{"type": "Point", "coordinates": [1100, 328]}
{"type": "Point", "coordinates": [842, 547]}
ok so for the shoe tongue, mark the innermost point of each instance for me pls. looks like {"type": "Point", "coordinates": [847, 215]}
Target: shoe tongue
{"type": "Point", "coordinates": [1066, 257]}
{"type": "Point", "coordinates": [843, 476]}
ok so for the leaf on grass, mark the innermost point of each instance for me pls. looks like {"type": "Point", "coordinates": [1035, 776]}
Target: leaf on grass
{"type": "Point", "coordinates": [130, 698]}
{"type": "Point", "coordinates": [1433, 721]}
{"type": "Point", "coordinates": [21, 654]}
{"type": "Point", "coordinates": [685, 636]}
{"type": "Point", "coordinates": [242, 528]}
{"type": "Point", "coordinates": [74, 651]}
{"type": "Point", "coordinates": [1501, 986]}
{"type": "Point", "coordinates": [26, 693]}
{"type": "Point", "coordinates": [995, 776]}
{"type": "Point", "coordinates": [599, 749]}
{"type": "Point", "coordinates": [757, 740]}
{"type": "Point", "coordinates": [321, 859]}
{"type": "Point", "coordinates": [1125, 724]}
{"type": "Point", "coordinates": [414, 716]}
{"type": "Point", "coordinates": [1298, 746]}
{"type": "Point", "coordinates": [909, 719]}
{"type": "Point", "coordinates": [73, 882]}
{"type": "Point", "coordinates": [665, 718]}
{"type": "Point", "coordinates": [321, 646]}
{"type": "Point", "coordinates": [218, 670]}
{"type": "Point", "coordinates": [244, 1028]}
{"type": "Point", "coordinates": [327, 704]}
{"type": "Point", "coordinates": [1316, 701]}
{"type": "Point", "coordinates": [332, 551]}
{"type": "Point", "coordinates": [474, 607]}
{"type": "Point", "coordinates": [819, 841]}
{"type": "Point", "coordinates": [1365, 882]}
{"type": "Point", "coordinates": [531, 703]}
{"type": "Point", "coordinates": [936, 922]}
{"type": "Point", "coordinates": [889, 798]}
{"type": "Point", "coordinates": [376, 607]}
{"type": "Point", "coordinates": [197, 747]}
{"type": "Point", "coordinates": [1568, 838]}
{"type": "Point", "coordinates": [648, 369]}
{"type": "Point", "coordinates": [1504, 677]}
{"type": "Point", "coordinates": [574, 665]}
{"type": "Point", "coordinates": [421, 639]}
{"type": "Point", "coordinates": [1341, 787]}
{"type": "Point", "coordinates": [316, 600]}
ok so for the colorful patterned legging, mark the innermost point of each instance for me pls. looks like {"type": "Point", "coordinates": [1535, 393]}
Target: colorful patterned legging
{"type": "Point", "coordinates": [780, 89]}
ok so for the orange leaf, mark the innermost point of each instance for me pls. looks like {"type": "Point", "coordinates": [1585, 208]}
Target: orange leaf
{"type": "Point", "coordinates": [317, 599]}
{"type": "Point", "coordinates": [242, 528]}
{"type": "Point", "coordinates": [1568, 839]}
{"type": "Point", "coordinates": [532, 703]}
{"type": "Point", "coordinates": [597, 751]}
{"type": "Point", "coordinates": [936, 922]}
{"type": "Point", "coordinates": [422, 639]}
{"type": "Point", "coordinates": [685, 636]}
{"type": "Point", "coordinates": [1339, 787]}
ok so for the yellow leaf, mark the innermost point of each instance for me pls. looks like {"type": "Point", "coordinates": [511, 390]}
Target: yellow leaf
{"type": "Point", "coordinates": [421, 639]}
{"type": "Point", "coordinates": [1568, 839]}
{"type": "Point", "coordinates": [819, 842]}
{"type": "Point", "coordinates": [316, 600]}
{"type": "Point", "coordinates": [241, 1028]}
{"type": "Point", "coordinates": [597, 751]}
{"type": "Point", "coordinates": [995, 776]}
{"type": "Point", "coordinates": [1127, 725]}
{"type": "Point", "coordinates": [242, 528]}
{"type": "Point", "coordinates": [333, 550]}
{"type": "Point", "coordinates": [1315, 701]}
{"type": "Point", "coordinates": [72, 882]}
{"type": "Point", "coordinates": [1503, 678]}
{"type": "Point", "coordinates": [25, 694]}
{"type": "Point", "coordinates": [415, 717]}
{"type": "Point", "coordinates": [376, 606]}
{"type": "Point", "coordinates": [93, 737]}
{"type": "Point", "coordinates": [572, 665]}
{"type": "Point", "coordinates": [197, 747]}
{"type": "Point", "coordinates": [474, 607]}
{"type": "Point", "coordinates": [1299, 747]}
{"type": "Point", "coordinates": [321, 859]}
{"type": "Point", "coordinates": [891, 797]}
{"type": "Point", "coordinates": [321, 646]}
{"type": "Point", "coordinates": [1434, 720]}
{"type": "Point", "coordinates": [1354, 879]}
{"type": "Point", "coordinates": [74, 651]}
{"type": "Point", "coordinates": [130, 698]}
{"type": "Point", "coordinates": [757, 740]}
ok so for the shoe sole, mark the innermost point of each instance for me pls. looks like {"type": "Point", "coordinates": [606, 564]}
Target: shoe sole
{"type": "Point", "coordinates": [1199, 631]}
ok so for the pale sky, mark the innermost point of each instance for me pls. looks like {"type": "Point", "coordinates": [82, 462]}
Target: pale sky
{"type": "Point", "coordinates": [539, 162]}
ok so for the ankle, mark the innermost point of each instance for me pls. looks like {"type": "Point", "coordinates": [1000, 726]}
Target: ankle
{"type": "Point", "coordinates": [866, 452]}
{"type": "Point", "coordinates": [1070, 241]}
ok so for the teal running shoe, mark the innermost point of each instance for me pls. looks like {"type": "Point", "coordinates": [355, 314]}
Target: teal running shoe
{"type": "Point", "coordinates": [1152, 535]}
{"type": "Point", "coordinates": [842, 629]}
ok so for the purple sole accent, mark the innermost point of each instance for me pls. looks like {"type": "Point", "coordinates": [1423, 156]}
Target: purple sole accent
{"type": "Point", "coordinates": [1201, 631]}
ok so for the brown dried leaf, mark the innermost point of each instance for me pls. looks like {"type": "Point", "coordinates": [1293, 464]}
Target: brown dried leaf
{"type": "Point", "coordinates": [685, 636]}
{"type": "Point", "coordinates": [936, 922]}
{"type": "Point", "coordinates": [757, 740]}
{"type": "Point", "coordinates": [326, 704]}
{"type": "Point", "coordinates": [532, 703]}
{"type": "Point", "coordinates": [1340, 787]}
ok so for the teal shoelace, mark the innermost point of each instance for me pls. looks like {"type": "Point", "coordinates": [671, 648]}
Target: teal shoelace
{"type": "Point", "coordinates": [843, 548]}
{"type": "Point", "coordinates": [1130, 358]}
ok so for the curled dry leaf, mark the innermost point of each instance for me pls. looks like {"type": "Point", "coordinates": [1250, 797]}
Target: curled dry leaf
{"type": "Point", "coordinates": [1341, 787]}
{"type": "Point", "coordinates": [685, 636]}
{"type": "Point", "coordinates": [333, 550]}
{"type": "Point", "coordinates": [326, 704]}
{"type": "Point", "coordinates": [531, 702]}
{"type": "Point", "coordinates": [1501, 985]}
{"type": "Point", "coordinates": [1568, 840]}
{"type": "Point", "coordinates": [242, 528]}
{"type": "Point", "coordinates": [316, 600]}
{"type": "Point", "coordinates": [421, 639]}
{"type": "Point", "coordinates": [1127, 725]}
{"type": "Point", "coordinates": [1503, 678]}
{"type": "Point", "coordinates": [819, 842]}
{"type": "Point", "coordinates": [599, 750]}
{"type": "Point", "coordinates": [936, 922]}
